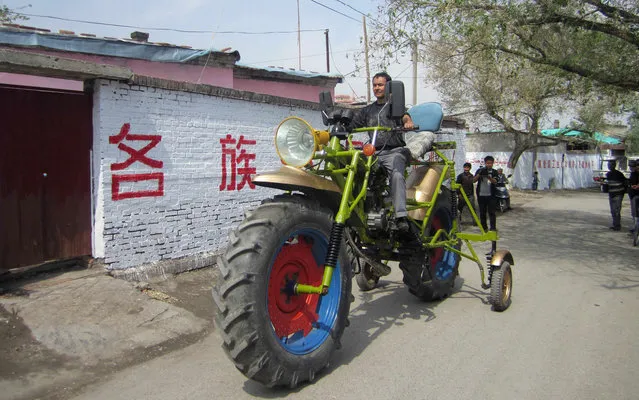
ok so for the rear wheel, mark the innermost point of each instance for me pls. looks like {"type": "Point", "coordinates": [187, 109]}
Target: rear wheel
{"type": "Point", "coordinates": [501, 287]}
{"type": "Point", "coordinates": [431, 275]}
{"type": "Point", "coordinates": [272, 335]}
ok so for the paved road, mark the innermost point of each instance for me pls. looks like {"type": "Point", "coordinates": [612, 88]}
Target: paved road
{"type": "Point", "coordinates": [570, 333]}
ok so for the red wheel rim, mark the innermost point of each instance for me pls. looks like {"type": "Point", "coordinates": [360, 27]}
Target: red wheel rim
{"type": "Point", "coordinates": [291, 313]}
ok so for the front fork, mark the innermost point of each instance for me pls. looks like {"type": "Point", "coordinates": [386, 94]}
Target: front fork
{"type": "Point", "coordinates": [337, 233]}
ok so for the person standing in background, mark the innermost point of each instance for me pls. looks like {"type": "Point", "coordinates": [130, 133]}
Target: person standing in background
{"type": "Point", "coordinates": [616, 189]}
{"type": "Point", "coordinates": [535, 183]}
{"type": "Point", "coordinates": [465, 179]}
{"type": "Point", "coordinates": [633, 193]}
{"type": "Point", "coordinates": [486, 178]}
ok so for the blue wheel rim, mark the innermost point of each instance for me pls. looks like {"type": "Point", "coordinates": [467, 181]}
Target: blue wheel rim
{"type": "Point", "coordinates": [327, 305]}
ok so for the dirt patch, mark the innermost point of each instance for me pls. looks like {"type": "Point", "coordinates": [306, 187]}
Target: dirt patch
{"type": "Point", "coordinates": [20, 352]}
{"type": "Point", "coordinates": [189, 290]}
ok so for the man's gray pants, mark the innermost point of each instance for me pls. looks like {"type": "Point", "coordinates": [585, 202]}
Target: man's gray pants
{"type": "Point", "coordinates": [615, 210]}
{"type": "Point", "coordinates": [394, 162]}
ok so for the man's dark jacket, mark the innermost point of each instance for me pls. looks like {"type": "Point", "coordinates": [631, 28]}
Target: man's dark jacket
{"type": "Point", "coordinates": [368, 116]}
{"type": "Point", "coordinates": [616, 183]}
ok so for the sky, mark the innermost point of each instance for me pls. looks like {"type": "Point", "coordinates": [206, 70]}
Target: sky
{"type": "Point", "coordinates": [343, 21]}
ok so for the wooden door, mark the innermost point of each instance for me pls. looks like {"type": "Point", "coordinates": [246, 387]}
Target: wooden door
{"type": "Point", "coordinates": [45, 201]}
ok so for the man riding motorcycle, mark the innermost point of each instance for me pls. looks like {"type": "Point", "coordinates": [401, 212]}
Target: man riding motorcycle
{"type": "Point", "coordinates": [392, 153]}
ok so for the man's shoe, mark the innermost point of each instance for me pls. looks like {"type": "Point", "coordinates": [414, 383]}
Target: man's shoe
{"type": "Point", "coordinates": [615, 228]}
{"type": "Point", "coordinates": [402, 225]}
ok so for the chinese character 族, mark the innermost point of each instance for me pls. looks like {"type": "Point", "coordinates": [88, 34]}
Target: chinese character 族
{"type": "Point", "coordinates": [236, 161]}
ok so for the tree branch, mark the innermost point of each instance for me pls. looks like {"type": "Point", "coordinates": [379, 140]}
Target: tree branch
{"type": "Point", "coordinates": [626, 84]}
{"type": "Point", "coordinates": [611, 11]}
{"type": "Point", "coordinates": [588, 25]}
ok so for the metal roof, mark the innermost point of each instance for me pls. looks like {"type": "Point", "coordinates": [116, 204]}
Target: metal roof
{"type": "Point", "coordinates": [30, 37]}
{"type": "Point", "coordinates": [599, 137]}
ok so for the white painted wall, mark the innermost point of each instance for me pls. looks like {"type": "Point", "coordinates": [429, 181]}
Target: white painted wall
{"type": "Point", "coordinates": [193, 214]}
{"type": "Point", "coordinates": [559, 170]}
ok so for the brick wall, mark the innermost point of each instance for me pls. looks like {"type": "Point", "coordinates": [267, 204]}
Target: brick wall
{"type": "Point", "coordinates": [165, 184]}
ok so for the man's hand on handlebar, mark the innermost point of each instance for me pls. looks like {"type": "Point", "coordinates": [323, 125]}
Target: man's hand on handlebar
{"type": "Point", "coordinates": [408, 122]}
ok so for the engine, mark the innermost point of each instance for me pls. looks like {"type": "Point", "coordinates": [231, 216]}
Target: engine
{"type": "Point", "coordinates": [377, 223]}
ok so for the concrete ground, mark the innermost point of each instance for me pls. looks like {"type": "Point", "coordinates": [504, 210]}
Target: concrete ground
{"type": "Point", "coordinates": [62, 331]}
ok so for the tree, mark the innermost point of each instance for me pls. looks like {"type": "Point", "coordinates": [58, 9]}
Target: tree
{"type": "Point", "coordinates": [594, 39]}
{"type": "Point", "coordinates": [9, 16]}
{"type": "Point", "coordinates": [632, 140]}
{"type": "Point", "coordinates": [516, 62]}
{"type": "Point", "coordinates": [512, 93]}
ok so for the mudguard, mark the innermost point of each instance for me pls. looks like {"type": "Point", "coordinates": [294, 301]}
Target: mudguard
{"type": "Point", "coordinates": [291, 178]}
{"type": "Point", "coordinates": [500, 256]}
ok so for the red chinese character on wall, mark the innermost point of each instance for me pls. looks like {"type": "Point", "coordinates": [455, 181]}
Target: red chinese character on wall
{"type": "Point", "coordinates": [136, 155]}
{"type": "Point", "coordinates": [236, 161]}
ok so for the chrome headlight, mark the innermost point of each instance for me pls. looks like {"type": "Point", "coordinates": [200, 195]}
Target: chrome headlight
{"type": "Point", "coordinates": [295, 142]}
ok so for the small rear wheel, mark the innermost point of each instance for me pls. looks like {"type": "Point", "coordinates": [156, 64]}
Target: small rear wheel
{"type": "Point", "coordinates": [501, 287]}
{"type": "Point", "coordinates": [367, 279]}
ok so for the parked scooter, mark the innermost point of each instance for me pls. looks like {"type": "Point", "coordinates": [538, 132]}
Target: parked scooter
{"type": "Point", "coordinates": [502, 194]}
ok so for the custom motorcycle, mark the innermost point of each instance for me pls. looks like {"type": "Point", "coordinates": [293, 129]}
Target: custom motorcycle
{"type": "Point", "coordinates": [284, 291]}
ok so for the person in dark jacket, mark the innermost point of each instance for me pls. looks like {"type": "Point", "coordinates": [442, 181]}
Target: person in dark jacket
{"type": "Point", "coordinates": [466, 179]}
{"type": "Point", "coordinates": [633, 193]}
{"type": "Point", "coordinates": [486, 178]}
{"type": "Point", "coordinates": [616, 189]}
{"type": "Point", "coordinates": [391, 151]}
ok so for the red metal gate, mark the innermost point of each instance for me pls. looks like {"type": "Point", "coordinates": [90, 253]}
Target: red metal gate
{"type": "Point", "coordinates": [45, 200]}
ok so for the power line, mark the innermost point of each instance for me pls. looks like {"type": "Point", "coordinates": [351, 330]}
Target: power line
{"type": "Point", "coordinates": [335, 65]}
{"type": "Point", "coordinates": [295, 58]}
{"type": "Point", "coordinates": [168, 29]}
{"type": "Point", "coordinates": [351, 7]}
{"type": "Point", "coordinates": [335, 11]}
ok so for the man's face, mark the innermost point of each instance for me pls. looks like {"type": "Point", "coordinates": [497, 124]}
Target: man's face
{"type": "Point", "coordinates": [500, 171]}
{"type": "Point", "coordinates": [489, 164]}
{"type": "Point", "coordinates": [466, 169]}
{"type": "Point", "coordinates": [379, 84]}
{"type": "Point", "coordinates": [612, 165]}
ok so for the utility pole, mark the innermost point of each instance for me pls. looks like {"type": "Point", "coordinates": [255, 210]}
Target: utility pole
{"type": "Point", "coordinates": [299, 39]}
{"type": "Point", "coordinates": [414, 72]}
{"type": "Point", "coordinates": [368, 71]}
{"type": "Point", "coordinates": [328, 60]}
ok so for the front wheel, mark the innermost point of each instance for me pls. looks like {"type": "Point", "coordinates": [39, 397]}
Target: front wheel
{"type": "Point", "coordinates": [502, 205]}
{"type": "Point", "coordinates": [272, 335]}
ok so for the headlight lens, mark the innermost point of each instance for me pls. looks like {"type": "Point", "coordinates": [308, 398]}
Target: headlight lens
{"type": "Point", "coordinates": [295, 142]}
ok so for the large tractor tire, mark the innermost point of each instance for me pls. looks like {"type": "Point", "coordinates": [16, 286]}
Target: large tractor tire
{"type": "Point", "coordinates": [272, 335]}
{"type": "Point", "coordinates": [431, 275]}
